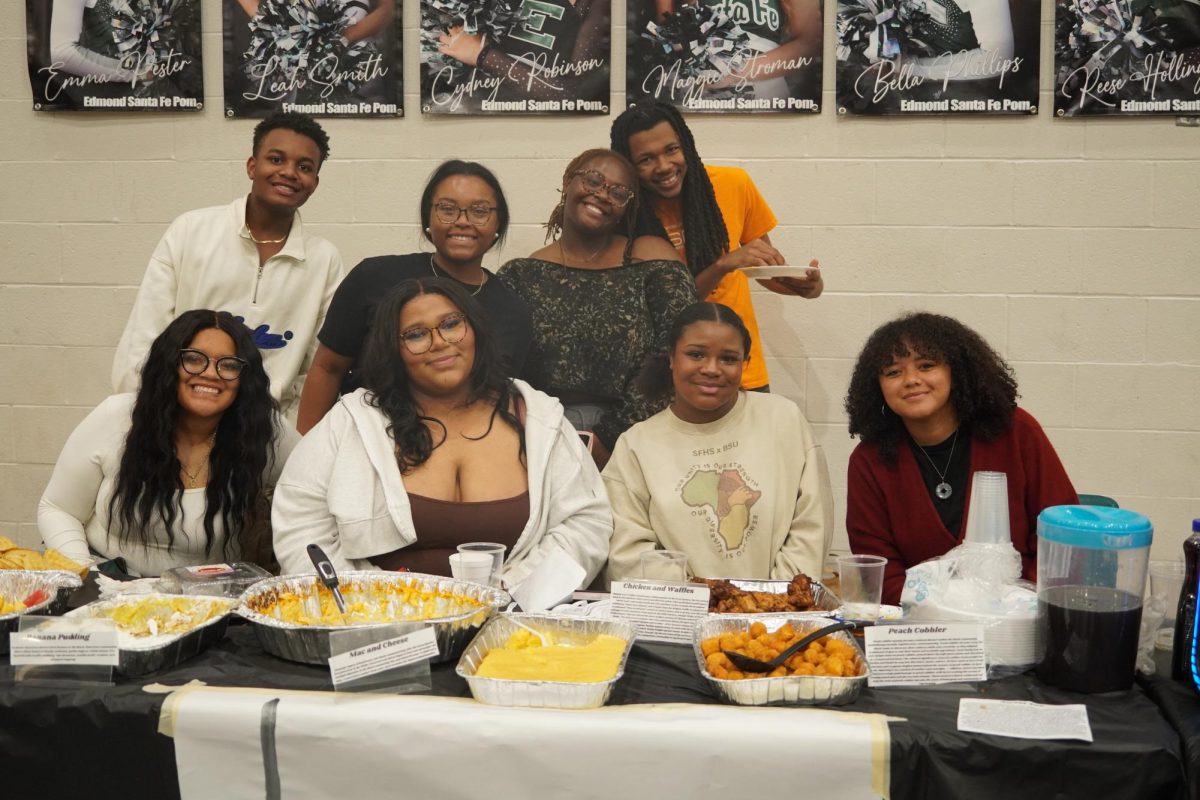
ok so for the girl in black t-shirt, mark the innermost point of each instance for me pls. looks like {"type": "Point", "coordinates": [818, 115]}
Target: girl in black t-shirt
{"type": "Point", "coordinates": [463, 214]}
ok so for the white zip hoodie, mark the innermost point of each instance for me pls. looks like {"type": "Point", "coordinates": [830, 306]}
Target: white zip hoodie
{"type": "Point", "coordinates": [342, 490]}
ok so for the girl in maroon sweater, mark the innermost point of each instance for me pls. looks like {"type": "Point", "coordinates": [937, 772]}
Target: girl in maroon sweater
{"type": "Point", "coordinates": [933, 403]}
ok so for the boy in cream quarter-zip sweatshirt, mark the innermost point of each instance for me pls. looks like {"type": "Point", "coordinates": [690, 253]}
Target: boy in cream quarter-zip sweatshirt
{"type": "Point", "coordinates": [251, 258]}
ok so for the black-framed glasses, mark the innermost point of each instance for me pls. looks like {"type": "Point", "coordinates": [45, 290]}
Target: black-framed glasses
{"type": "Point", "coordinates": [419, 339]}
{"type": "Point", "coordinates": [195, 362]}
{"type": "Point", "coordinates": [477, 213]}
{"type": "Point", "coordinates": [618, 193]}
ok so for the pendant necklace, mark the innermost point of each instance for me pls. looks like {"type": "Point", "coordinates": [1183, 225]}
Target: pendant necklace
{"type": "Point", "coordinates": [194, 478]}
{"type": "Point", "coordinates": [943, 490]}
{"type": "Point", "coordinates": [478, 289]}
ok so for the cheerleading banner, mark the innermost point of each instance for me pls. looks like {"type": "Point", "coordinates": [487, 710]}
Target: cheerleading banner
{"type": "Point", "coordinates": [325, 58]}
{"type": "Point", "coordinates": [1122, 57]}
{"type": "Point", "coordinates": [515, 56]}
{"type": "Point", "coordinates": [728, 55]}
{"type": "Point", "coordinates": [938, 56]}
{"type": "Point", "coordinates": [114, 55]}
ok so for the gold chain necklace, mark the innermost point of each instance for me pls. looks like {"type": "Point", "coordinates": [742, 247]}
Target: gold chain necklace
{"type": "Point", "coordinates": [562, 252]}
{"type": "Point", "coordinates": [478, 289]}
{"type": "Point", "coordinates": [194, 478]}
{"type": "Point", "coordinates": [266, 241]}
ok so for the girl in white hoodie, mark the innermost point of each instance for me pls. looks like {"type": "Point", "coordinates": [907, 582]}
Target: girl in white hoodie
{"type": "Point", "coordinates": [440, 448]}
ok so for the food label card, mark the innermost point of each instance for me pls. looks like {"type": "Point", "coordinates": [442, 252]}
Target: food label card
{"type": "Point", "coordinates": [664, 612]}
{"type": "Point", "coordinates": [926, 653]}
{"type": "Point", "coordinates": [1024, 720]}
{"type": "Point", "coordinates": [64, 643]}
{"type": "Point", "coordinates": [382, 656]}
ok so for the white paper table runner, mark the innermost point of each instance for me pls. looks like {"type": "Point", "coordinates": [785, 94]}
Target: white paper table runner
{"type": "Point", "coordinates": [256, 743]}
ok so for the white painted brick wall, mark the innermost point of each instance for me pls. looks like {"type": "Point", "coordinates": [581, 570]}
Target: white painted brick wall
{"type": "Point", "coordinates": [1070, 244]}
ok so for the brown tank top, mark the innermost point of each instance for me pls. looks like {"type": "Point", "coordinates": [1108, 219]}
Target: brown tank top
{"type": "Point", "coordinates": [442, 525]}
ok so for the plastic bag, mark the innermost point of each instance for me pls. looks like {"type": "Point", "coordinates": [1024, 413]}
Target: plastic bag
{"type": "Point", "coordinates": [981, 584]}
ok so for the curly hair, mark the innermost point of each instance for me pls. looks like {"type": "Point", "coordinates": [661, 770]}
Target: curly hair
{"type": "Point", "coordinates": [455, 167]}
{"type": "Point", "coordinates": [655, 380]}
{"type": "Point", "coordinates": [554, 225]}
{"type": "Point", "coordinates": [297, 123]}
{"type": "Point", "coordinates": [983, 390]}
{"type": "Point", "coordinates": [387, 382]}
{"type": "Point", "coordinates": [148, 486]}
{"type": "Point", "coordinates": [704, 228]}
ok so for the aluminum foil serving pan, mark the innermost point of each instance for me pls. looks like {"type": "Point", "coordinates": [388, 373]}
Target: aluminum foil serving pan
{"type": "Point", "coordinates": [825, 602]}
{"type": "Point", "coordinates": [543, 694]}
{"type": "Point", "coordinates": [796, 690]}
{"type": "Point", "coordinates": [294, 615]}
{"type": "Point", "coordinates": [183, 626]}
{"type": "Point", "coordinates": [38, 592]}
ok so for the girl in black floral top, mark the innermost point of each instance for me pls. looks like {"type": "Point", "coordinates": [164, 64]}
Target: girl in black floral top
{"type": "Point", "coordinates": [601, 300]}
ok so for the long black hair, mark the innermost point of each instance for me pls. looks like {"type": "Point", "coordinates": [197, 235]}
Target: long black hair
{"type": "Point", "coordinates": [148, 486]}
{"type": "Point", "coordinates": [655, 378]}
{"type": "Point", "coordinates": [628, 219]}
{"type": "Point", "coordinates": [453, 167]}
{"type": "Point", "coordinates": [386, 379]}
{"type": "Point", "coordinates": [983, 390]}
{"type": "Point", "coordinates": [704, 232]}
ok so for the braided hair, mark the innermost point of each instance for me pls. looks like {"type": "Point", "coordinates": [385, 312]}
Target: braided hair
{"type": "Point", "coordinates": [704, 232]}
{"type": "Point", "coordinates": [628, 220]}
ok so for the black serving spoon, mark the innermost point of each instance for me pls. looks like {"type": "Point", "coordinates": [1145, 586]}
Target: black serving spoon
{"type": "Point", "coordinates": [748, 664]}
{"type": "Point", "coordinates": [327, 574]}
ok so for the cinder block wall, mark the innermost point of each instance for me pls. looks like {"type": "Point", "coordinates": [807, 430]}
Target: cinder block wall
{"type": "Point", "coordinates": [1071, 245]}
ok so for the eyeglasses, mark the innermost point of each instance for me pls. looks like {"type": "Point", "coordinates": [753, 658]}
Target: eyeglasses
{"type": "Point", "coordinates": [418, 340]}
{"type": "Point", "coordinates": [618, 193]}
{"type": "Point", "coordinates": [195, 362]}
{"type": "Point", "coordinates": [477, 214]}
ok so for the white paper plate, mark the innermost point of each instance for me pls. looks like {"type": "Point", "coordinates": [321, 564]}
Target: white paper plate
{"type": "Point", "coordinates": [778, 272]}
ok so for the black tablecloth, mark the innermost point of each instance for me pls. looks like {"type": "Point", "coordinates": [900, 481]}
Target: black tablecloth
{"type": "Point", "coordinates": [100, 742]}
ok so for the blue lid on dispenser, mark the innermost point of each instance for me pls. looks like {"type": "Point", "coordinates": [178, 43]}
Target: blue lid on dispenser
{"type": "Point", "coordinates": [1095, 527]}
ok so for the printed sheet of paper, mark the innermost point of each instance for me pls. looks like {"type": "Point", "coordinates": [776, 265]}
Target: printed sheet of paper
{"type": "Point", "coordinates": [664, 612]}
{"type": "Point", "coordinates": [925, 653]}
{"type": "Point", "coordinates": [1022, 719]}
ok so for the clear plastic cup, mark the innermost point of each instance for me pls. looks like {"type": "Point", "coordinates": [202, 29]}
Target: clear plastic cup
{"type": "Point", "coordinates": [664, 565]}
{"type": "Point", "coordinates": [861, 584]}
{"type": "Point", "coordinates": [493, 549]}
{"type": "Point", "coordinates": [987, 517]}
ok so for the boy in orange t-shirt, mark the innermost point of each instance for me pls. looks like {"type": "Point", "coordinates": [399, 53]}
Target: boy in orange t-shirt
{"type": "Point", "coordinates": [714, 216]}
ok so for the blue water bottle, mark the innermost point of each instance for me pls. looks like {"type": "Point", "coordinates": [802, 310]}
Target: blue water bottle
{"type": "Point", "coordinates": [1185, 663]}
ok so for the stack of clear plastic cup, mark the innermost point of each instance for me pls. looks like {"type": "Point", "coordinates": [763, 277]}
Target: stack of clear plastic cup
{"type": "Point", "coordinates": [987, 518]}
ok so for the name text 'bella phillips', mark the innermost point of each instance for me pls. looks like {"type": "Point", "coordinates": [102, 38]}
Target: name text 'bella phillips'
{"type": "Point", "coordinates": [170, 64]}
{"type": "Point", "coordinates": [448, 90]}
{"type": "Point", "coordinates": [1158, 70]}
{"type": "Point", "coordinates": [274, 81]}
{"type": "Point", "coordinates": [665, 82]}
{"type": "Point", "coordinates": [901, 75]}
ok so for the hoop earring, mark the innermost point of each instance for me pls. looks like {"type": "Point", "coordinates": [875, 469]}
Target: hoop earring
{"type": "Point", "coordinates": [883, 409]}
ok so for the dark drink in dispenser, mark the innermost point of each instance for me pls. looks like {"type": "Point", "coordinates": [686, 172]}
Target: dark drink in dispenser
{"type": "Point", "coordinates": [1091, 638]}
{"type": "Point", "coordinates": [1091, 575]}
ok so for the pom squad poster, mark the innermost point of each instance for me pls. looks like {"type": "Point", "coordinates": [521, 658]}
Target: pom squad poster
{"type": "Point", "coordinates": [326, 58]}
{"type": "Point", "coordinates": [938, 56]}
{"type": "Point", "coordinates": [725, 55]}
{"type": "Point", "coordinates": [114, 55]}
{"type": "Point", "coordinates": [515, 56]}
{"type": "Point", "coordinates": [1126, 57]}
